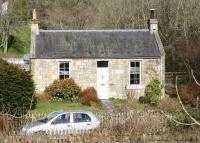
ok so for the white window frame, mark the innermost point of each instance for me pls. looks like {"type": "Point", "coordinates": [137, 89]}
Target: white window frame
{"type": "Point", "coordinates": [64, 61]}
{"type": "Point", "coordinates": [135, 86]}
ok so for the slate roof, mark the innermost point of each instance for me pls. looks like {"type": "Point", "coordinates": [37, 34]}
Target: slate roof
{"type": "Point", "coordinates": [96, 44]}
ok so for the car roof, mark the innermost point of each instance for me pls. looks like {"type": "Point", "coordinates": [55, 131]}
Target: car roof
{"type": "Point", "coordinates": [76, 111]}
{"type": "Point", "coordinates": [72, 111]}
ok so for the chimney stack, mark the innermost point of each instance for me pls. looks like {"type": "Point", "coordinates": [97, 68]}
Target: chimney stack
{"type": "Point", "coordinates": [152, 22]}
{"type": "Point", "coordinates": [34, 16]}
{"type": "Point", "coordinates": [34, 32]}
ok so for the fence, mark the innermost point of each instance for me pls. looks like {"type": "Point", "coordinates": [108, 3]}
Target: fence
{"type": "Point", "coordinates": [170, 78]}
{"type": "Point", "coordinates": [130, 127]}
{"type": "Point", "coordinates": [102, 137]}
{"type": "Point", "coordinates": [156, 120]}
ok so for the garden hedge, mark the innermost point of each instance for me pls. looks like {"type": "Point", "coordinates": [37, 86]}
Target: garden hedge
{"type": "Point", "coordinates": [16, 90]}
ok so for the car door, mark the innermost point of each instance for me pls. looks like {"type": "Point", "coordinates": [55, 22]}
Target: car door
{"type": "Point", "coordinates": [82, 121]}
{"type": "Point", "coordinates": [61, 123]}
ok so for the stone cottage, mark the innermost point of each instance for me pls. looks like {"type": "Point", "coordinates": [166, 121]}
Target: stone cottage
{"type": "Point", "coordinates": [115, 62]}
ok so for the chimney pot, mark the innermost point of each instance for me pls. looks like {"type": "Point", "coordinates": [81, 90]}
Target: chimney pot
{"type": "Point", "coordinates": [34, 18]}
{"type": "Point", "coordinates": [152, 13]}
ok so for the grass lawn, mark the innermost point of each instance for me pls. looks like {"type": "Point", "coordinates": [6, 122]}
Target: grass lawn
{"type": "Point", "coordinates": [46, 107]}
{"type": "Point", "coordinates": [118, 101]}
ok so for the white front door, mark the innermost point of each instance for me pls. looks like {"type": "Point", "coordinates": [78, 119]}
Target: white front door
{"type": "Point", "coordinates": [102, 81]}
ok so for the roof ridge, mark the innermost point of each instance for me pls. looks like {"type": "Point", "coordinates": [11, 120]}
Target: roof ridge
{"type": "Point", "coordinates": [99, 30]}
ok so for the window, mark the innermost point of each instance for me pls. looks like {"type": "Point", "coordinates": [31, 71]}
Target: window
{"type": "Point", "coordinates": [134, 73]}
{"type": "Point", "coordinates": [81, 117]}
{"type": "Point", "coordinates": [64, 70]}
{"type": "Point", "coordinates": [62, 119]}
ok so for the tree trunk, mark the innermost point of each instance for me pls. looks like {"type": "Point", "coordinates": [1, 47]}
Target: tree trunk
{"type": "Point", "coordinates": [5, 42]}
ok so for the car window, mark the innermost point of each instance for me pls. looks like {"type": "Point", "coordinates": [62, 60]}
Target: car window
{"type": "Point", "coordinates": [64, 118]}
{"type": "Point", "coordinates": [81, 117]}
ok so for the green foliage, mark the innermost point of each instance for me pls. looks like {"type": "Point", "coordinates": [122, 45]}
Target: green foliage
{"type": "Point", "coordinates": [118, 100]}
{"type": "Point", "coordinates": [66, 89]}
{"type": "Point", "coordinates": [19, 41]}
{"type": "Point", "coordinates": [183, 118]}
{"type": "Point", "coordinates": [153, 92]}
{"type": "Point", "coordinates": [153, 88]}
{"type": "Point", "coordinates": [144, 99]}
{"type": "Point", "coordinates": [16, 90]}
{"type": "Point", "coordinates": [55, 99]}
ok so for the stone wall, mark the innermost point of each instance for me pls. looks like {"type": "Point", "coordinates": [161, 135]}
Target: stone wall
{"type": "Point", "coordinates": [45, 71]}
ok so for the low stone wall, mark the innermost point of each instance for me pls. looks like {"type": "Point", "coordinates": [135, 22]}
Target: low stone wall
{"type": "Point", "coordinates": [24, 64]}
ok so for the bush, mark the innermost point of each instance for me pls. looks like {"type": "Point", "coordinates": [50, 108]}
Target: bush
{"type": "Point", "coordinates": [43, 97]}
{"type": "Point", "coordinates": [144, 99]}
{"type": "Point", "coordinates": [153, 92]}
{"type": "Point", "coordinates": [183, 118]}
{"type": "Point", "coordinates": [66, 89]}
{"type": "Point", "coordinates": [6, 124]}
{"type": "Point", "coordinates": [169, 104]}
{"type": "Point", "coordinates": [16, 90]}
{"type": "Point", "coordinates": [189, 93]}
{"type": "Point", "coordinates": [89, 96]}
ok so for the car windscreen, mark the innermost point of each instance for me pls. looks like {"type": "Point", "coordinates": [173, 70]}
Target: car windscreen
{"type": "Point", "coordinates": [49, 117]}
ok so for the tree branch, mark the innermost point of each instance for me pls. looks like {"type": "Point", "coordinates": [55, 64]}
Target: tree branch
{"type": "Point", "coordinates": [194, 78]}
{"type": "Point", "coordinates": [183, 107]}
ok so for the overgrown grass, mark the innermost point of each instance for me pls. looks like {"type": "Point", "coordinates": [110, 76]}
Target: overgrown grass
{"type": "Point", "coordinates": [118, 101]}
{"type": "Point", "coordinates": [45, 107]}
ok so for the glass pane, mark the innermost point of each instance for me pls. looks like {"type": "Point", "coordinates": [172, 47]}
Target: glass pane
{"type": "Point", "coordinates": [137, 81]}
{"type": "Point", "coordinates": [134, 78]}
{"type": "Point", "coordinates": [66, 76]}
{"type": "Point", "coordinates": [135, 64]}
{"type": "Point", "coordinates": [132, 82]}
{"type": "Point", "coordinates": [62, 77]}
{"type": "Point", "coordinates": [132, 64]}
{"type": "Point", "coordinates": [80, 117]}
{"type": "Point", "coordinates": [102, 63]}
{"type": "Point", "coordinates": [137, 76]}
{"type": "Point", "coordinates": [135, 70]}
{"type": "Point", "coordinates": [65, 118]}
{"type": "Point", "coordinates": [62, 65]}
{"type": "Point", "coordinates": [66, 65]}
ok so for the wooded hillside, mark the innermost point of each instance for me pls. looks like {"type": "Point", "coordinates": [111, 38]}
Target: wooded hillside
{"type": "Point", "coordinates": [179, 22]}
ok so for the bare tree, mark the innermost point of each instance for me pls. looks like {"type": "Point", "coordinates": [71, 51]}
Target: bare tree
{"type": "Point", "coordinates": [14, 14]}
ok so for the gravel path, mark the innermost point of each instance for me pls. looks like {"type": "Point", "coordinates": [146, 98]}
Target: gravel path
{"type": "Point", "coordinates": [109, 107]}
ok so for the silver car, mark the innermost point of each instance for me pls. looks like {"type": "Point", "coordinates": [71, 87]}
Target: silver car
{"type": "Point", "coordinates": [63, 122]}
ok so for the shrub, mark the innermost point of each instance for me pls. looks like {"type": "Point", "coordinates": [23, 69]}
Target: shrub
{"type": "Point", "coordinates": [170, 105]}
{"type": "Point", "coordinates": [66, 89]}
{"type": "Point", "coordinates": [144, 99]}
{"type": "Point", "coordinates": [16, 90]}
{"type": "Point", "coordinates": [189, 93]}
{"type": "Point", "coordinates": [183, 118]}
{"type": "Point", "coordinates": [43, 97]}
{"type": "Point", "coordinates": [153, 92]}
{"type": "Point", "coordinates": [6, 124]}
{"type": "Point", "coordinates": [89, 96]}
{"type": "Point", "coordinates": [55, 99]}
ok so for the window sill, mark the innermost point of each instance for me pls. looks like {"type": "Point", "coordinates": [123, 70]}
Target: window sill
{"type": "Point", "coordinates": [135, 87]}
